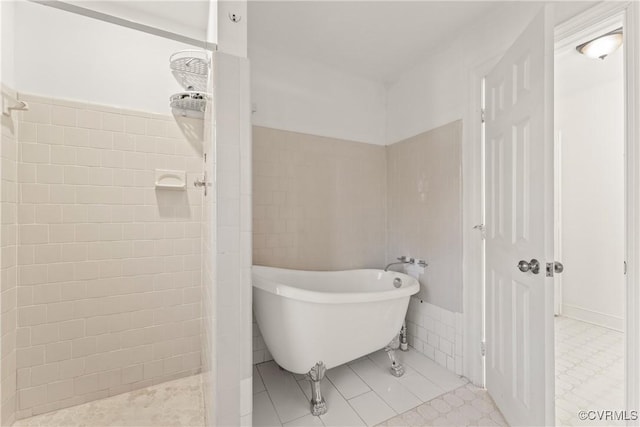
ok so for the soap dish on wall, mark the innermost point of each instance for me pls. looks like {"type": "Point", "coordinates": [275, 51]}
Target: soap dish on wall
{"type": "Point", "coordinates": [171, 180]}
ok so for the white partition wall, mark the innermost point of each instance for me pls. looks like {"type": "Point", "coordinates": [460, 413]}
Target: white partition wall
{"type": "Point", "coordinates": [227, 239]}
{"type": "Point", "coordinates": [229, 389]}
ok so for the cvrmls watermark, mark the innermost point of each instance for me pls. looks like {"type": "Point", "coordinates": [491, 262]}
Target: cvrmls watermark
{"type": "Point", "coordinates": [607, 415]}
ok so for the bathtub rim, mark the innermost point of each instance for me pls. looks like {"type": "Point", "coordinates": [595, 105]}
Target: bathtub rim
{"type": "Point", "coordinates": [298, 294]}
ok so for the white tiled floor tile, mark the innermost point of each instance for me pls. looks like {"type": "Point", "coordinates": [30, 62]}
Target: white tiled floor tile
{"type": "Point", "coordinates": [306, 421]}
{"type": "Point", "coordinates": [376, 395]}
{"type": "Point", "coordinates": [299, 377]}
{"type": "Point", "coordinates": [424, 389]}
{"type": "Point", "coordinates": [429, 369]}
{"type": "Point", "coordinates": [288, 400]}
{"type": "Point", "coordinates": [386, 386]}
{"type": "Point", "coordinates": [264, 414]}
{"type": "Point", "coordinates": [417, 384]}
{"type": "Point", "coordinates": [371, 408]}
{"type": "Point", "coordinates": [347, 382]}
{"type": "Point", "coordinates": [258, 385]}
{"type": "Point", "coordinates": [339, 412]}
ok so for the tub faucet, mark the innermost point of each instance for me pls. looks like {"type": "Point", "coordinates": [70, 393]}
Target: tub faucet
{"type": "Point", "coordinates": [401, 260]}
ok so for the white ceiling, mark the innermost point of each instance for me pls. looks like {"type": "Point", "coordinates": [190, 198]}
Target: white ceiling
{"type": "Point", "coordinates": [376, 39]}
{"type": "Point", "coordinates": [371, 38]}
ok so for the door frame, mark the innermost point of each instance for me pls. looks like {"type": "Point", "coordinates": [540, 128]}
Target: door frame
{"type": "Point", "coordinates": [473, 244]}
{"type": "Point", "coordinates": [557, 214]}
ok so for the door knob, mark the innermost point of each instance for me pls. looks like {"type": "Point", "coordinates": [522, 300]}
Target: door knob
{"type": "Point", "coordinates": [533, 266]}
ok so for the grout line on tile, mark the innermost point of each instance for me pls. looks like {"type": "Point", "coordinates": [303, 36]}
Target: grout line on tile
{"type": "Point", "coordinates": [339, 392]}
{"type": "Point", "coordinates": [356, 412]}
{"type": "Point", "coordinates": [358, 395]}
{"type": "Point", "coordinates": [270, 400]}
{"type": "Point", "coordinates": [380, 397]}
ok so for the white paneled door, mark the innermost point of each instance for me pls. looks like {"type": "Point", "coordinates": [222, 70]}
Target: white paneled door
{"type": "Point", "coordinates": [519, 218]}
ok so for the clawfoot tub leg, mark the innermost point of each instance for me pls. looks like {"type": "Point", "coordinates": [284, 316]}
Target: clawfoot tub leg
{"type": "Point", "coordinates": [404, 345]}
{"type": "Point", "coordinates": [397, 370]}
{"type": "Point", "coordinates": [315, 375]}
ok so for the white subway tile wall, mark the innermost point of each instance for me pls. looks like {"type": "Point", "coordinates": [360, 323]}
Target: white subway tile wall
{"type": "Point", "coordinates": [8, 265]}
{"type": "Point", "coordinates": [436, 333]}
{"type": "Point", "coordinates": [109, 296]}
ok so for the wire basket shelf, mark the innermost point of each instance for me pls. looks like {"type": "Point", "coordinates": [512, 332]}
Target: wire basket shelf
{"type": "Point", "coordinates": [190, 68]}
{"type": "Point", "coordinates": [189, 101]}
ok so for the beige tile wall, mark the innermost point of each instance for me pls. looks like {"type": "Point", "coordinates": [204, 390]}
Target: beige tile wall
{"type": "Point", "coordinates": [109, 296]}
{"type": "Point", "coordinates": [424, 208]}
{"type": "Point", "coordinates": [8, 266]}
{"type": "Point", "coordinates": [319, 203]}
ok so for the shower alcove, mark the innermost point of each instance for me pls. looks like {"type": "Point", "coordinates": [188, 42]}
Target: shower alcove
{"type": "Point", "coordinates": [109, 252]}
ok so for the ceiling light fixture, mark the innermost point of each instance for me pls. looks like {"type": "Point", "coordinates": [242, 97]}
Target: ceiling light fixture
{"type": "Point", "coordinates": [602, 45]}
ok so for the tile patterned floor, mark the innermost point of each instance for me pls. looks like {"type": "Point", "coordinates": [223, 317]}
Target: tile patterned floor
{"type": "Point", "coordinates": [364, 393]}
{"type": "Point", "coordinates": [589, 370]}
{"type": "Point", "coordinates": [465, 406]}
{"type": "Point", "coordinates": [174, 403]}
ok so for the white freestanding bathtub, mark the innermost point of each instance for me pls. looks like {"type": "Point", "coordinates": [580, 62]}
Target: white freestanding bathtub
{"type": "Point", "coordinates": [311, 318]}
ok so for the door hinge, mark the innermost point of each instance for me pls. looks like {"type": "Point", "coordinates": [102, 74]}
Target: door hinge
{"type": "Point", "coordinates": [483, 348]}
{"type": "Point", "coordinates": [625, 268]}
{"type": "Point", "coordinates": [482, 115]}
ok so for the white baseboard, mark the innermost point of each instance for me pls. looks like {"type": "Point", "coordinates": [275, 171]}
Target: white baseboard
{"type": "Point", "coordinates": [597, 318]}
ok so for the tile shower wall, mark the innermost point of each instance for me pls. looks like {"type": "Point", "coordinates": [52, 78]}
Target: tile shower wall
{"type": "Point", "coordinates": [108, 266]}
{"type": "Point", "coordinates": [8, 265]}
{"type": "Point", "coordinates": [319, 203]}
